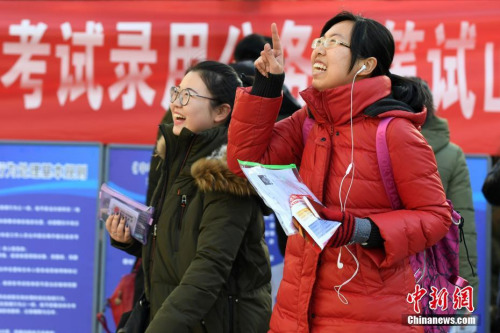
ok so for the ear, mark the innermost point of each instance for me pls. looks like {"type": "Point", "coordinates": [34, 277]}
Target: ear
{"type": "Point", "coordinates": [221, 113]}
{"type": "Point", "coordinates": [370, 63]}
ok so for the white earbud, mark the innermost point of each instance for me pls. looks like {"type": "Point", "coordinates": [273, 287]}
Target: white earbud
{"type": "Point", "coordinates": [361, 69]}
{"type": "Point", "coordinates": [349, 167]}
{"type": "Point", "coordinates": [340, 265]}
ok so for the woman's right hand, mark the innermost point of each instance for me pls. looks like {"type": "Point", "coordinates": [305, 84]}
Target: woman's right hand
{"type": "Point", "coordinates": [271, 59]}
{"type": "Point", "coordinates": [117, 228]}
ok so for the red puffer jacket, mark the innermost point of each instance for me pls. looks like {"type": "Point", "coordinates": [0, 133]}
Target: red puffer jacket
{"type": "Point", "coordinates": [376, 295]}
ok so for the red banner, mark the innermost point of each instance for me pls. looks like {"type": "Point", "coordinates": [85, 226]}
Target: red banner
{"type": "Point", "coordinates": [101, 71]}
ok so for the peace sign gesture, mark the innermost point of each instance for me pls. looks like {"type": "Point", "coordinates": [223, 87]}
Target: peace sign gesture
{"type": "Point", "coordinates": [271, 59]}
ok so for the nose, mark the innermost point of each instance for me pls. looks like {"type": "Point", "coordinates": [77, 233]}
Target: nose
{"type": "Point", "coordinates": [177, 101]}
{"type": "Point", "coordinates": [319, 50]}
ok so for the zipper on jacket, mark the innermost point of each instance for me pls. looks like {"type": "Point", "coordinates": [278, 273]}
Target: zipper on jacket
{"type": "Point", "coordinates": [153, 245]}
{"type": "Point", "coordinates": [183, 205]}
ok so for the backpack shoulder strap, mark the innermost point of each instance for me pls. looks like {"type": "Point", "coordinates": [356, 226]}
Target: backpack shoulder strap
{"type": "Point", "coordinates": [306, 128]}
{"type": "Point", "coordinates": [384, 163]}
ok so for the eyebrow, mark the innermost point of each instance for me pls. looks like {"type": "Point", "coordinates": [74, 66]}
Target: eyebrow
{"type": "Point", "coordinates": [334, 35]}
{"type": "Point", "coordinates": [190, 89]}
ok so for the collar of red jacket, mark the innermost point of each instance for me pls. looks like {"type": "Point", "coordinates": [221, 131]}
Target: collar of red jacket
{"type": "Point", "coordinates": [333, 106]}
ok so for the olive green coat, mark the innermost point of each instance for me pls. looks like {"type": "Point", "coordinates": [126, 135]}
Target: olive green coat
{"type": "Point", "coordinates": [206, 262]}
{"type": "Point", "coordinates": [455, 178]}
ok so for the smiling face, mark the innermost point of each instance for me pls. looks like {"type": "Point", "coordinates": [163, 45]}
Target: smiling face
{"type": "Point", "coordinates": [197, 115]}
{"type": "Point", "coordinates": [331, 66]}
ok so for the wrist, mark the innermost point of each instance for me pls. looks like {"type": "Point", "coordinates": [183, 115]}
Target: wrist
{"type": "Point", "coordinates": [269, 87]}
{"type": "Point", "coordinates": [362, 230]}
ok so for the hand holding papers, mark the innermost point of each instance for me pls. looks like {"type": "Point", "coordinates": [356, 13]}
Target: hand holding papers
{"type": "Point", "coordinates": [276, 184]}
{"type": "Point", "coordinates": [311, 225]}
{"type": "Point", "coordinates": [138, 217]}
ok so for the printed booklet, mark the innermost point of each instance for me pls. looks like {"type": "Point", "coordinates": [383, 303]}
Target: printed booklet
{"type": "Point", "coordinates": [138, 216]}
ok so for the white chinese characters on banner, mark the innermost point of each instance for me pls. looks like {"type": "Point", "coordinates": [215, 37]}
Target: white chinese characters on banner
{"type": "Point", "coordinates": [491, 103]}
{"type": "Point", "coordinates": [188, 45]}
{"type": "Point", "coordinates": [29, 45]}
{"type": "Point", "coordinates": [454, 88]}
{"type": "Point", "coordinates": [82, 62]}
{"type": "Point", "coordinates": [232, 40]}
{"type": "Point", "coordinates": [134, 80]}
{"type": "Point", "coordinates": [406, 40]}
{"type": "Point", "coordinates": [295, 40]}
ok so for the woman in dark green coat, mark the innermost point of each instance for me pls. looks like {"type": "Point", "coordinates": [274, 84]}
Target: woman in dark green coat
{"type": "Point", "coordinates": [206, 263]}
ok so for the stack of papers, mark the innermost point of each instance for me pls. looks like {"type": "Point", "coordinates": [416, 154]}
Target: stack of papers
{"type": "Point", "coordinates": [138, 217]}
{"type": "Point", "coordinates": [276, 184]}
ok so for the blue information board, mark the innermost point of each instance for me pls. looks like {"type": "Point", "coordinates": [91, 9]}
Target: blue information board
{"type": "Point", "coordinates": [127, 170]}
{"type": "Point", "coordinates": [271, 236]}
{"type": "Point", "coordinates": [478, 169]}
{"type": "Point", "coordinates": [48, 232]}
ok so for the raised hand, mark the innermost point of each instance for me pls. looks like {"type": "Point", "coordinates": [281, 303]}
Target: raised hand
{"type": "Point", "coordinates": [271, 59]}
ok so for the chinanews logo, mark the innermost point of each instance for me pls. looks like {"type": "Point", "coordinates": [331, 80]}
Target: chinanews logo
{"type": "Point", "coordinates": [462, 298]}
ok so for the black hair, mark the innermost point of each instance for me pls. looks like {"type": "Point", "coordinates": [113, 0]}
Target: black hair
{"type": "Point", "coordinates": [245, 70]}
{"type": "Point", "coordinates": [249, 48]}
{"type": "Point", "coordinates": [427, 95]}
{"type": "Point", "coordinates": [370, 38]}
{"type": "Point", "coordinates": [221, 81]}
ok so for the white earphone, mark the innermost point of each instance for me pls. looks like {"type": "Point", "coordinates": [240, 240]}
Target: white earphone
{"type": "Point", "coordinates": [340, 264]}
{"type": "Point", "coordinates": [361, 69]}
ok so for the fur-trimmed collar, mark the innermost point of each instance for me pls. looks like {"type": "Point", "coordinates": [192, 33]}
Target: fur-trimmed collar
{"type": "Point", "coordinates": [212, 174]}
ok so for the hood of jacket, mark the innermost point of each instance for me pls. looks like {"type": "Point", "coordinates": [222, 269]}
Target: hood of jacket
{"type": "Point", "coordinates": [213, 174]}
{"type": "Point", "coordinates": [436, 132]}
{"type": "Point", "coordinates": [333, 106]}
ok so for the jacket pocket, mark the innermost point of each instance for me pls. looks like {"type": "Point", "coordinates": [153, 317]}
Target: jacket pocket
{"type": "Point", "coordinates": [372, 276]}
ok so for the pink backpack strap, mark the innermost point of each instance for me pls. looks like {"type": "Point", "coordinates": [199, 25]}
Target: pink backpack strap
{"type": "Point", "coordinates": [306, 128]}
{"type": "Point", "coordinates": [384, 163]}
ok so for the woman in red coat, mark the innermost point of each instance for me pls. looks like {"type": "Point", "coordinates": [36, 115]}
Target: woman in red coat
{"type": "Point", "coordinates": [361, 280]}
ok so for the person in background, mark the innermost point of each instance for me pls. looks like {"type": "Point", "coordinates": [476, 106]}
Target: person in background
{"type": "Point", "coordinates": [206, 264]}
{"type": "Point", "coordinates": [491, 191]}
{"type": "Point", "coordinates": [454, 175]}
{"type": "Point", "coordinates": [491, 185]}
{"type": "Point", "coordinates": [360, 281]}
{"type": "Point", "coordinates": [245, 53]}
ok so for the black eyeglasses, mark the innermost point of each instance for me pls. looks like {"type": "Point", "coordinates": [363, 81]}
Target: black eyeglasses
{"type": "Point", "coordinates": [184, 95]}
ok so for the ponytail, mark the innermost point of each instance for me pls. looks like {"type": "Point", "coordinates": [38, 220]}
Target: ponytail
{"type": "Point", "coordinates": [407, 90]}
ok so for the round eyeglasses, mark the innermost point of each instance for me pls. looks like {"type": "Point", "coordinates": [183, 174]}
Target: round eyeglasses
{"type": "Point", "coordinates": [184, 95]}
{"type": "Point", "coordinates": [327, 43]}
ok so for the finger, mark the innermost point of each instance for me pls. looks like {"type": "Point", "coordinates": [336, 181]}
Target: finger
{"type": "Point", "coordinates": [127, 238]}
{"type": "Point", "coordinates": [268, 57]}
{"type": "Point", "coordinates": [260, 66]}
{"type": "Point", "coordinates": [276, 38]}
{"type": "Point", "coordinates": [120, 229]}
{"type": "Point", "coordinates": [114, 223]}
{"type": "Point", "coordinates": [108, 223]}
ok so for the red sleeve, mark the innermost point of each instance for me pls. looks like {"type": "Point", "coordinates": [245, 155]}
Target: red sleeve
{"type": "Point", "coordinates": [425, 218]}
{"type": "Point", "coordinates": [254, 136]}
